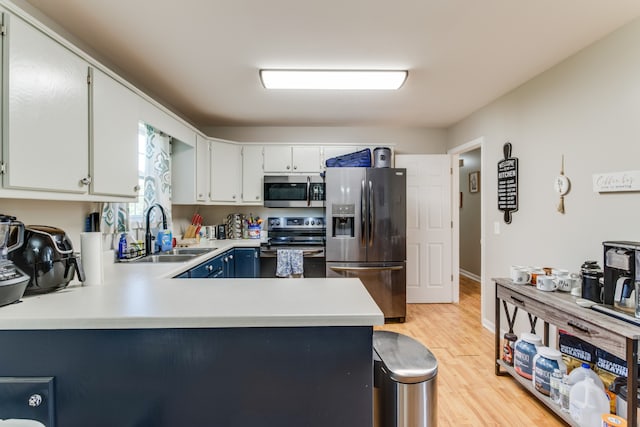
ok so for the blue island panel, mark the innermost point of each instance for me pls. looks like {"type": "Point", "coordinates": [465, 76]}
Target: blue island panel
{"type": "Point", "coordinates": [307, 376]}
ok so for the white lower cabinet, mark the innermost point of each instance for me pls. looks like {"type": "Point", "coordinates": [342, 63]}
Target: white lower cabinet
{"type": "Point", "coordinates": [46, 144]}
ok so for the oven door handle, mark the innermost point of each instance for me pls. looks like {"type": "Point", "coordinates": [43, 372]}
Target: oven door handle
{"type": "Point", "coordinates": [393, 268]}
{"type": "Point", "coordinates": [273, 252]}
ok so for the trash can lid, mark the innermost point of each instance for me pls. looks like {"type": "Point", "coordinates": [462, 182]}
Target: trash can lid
{"type": "Point", "coordinates": [405, 359]}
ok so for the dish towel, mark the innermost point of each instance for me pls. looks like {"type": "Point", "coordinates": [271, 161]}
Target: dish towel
{"type": "Point", "coordinates": [289, 263]}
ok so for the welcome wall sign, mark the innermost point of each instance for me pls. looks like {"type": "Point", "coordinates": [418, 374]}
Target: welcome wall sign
{"type": "Point", "coordinates": [508, 183]}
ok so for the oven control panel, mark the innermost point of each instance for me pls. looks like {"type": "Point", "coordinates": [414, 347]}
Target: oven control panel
{"type": "Point", "coordinates": [295, 223]}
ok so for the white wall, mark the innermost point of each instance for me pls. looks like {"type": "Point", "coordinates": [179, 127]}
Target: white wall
{"type": "Point", "coordinates": [69, 216]}
{"type": "Point", "coordinates": [405, 140]}
{"type": "Point", "coordinates": [587, 108]}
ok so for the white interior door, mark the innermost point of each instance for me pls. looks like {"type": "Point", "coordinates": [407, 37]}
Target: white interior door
{"type": "Point", "coordinates": [429, 232]}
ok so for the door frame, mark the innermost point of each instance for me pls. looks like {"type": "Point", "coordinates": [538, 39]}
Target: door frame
{"type": "Point", "coordinates": [455, 215]}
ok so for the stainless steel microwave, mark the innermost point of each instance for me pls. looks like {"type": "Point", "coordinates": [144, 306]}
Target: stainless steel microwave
{"type": "Point", "coordinates": [294, 191]}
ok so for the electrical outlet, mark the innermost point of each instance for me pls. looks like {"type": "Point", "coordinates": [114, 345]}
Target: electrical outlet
{"type": "Point", "coordinates": [496, 227]}
{"type": "Point", "coordinates": [29, 398]}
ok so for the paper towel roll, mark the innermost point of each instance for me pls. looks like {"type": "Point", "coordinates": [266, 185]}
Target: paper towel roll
{"type": "Point", "coordinates": [91, 257]}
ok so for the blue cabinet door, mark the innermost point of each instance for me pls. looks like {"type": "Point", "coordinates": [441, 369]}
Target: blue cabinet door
{"type": "Point", "coordinates": [247, 262]}
{"type": "Point", "coordinates": [238, 262]}
{"type": "Point", "coordinates": [229, 261]}
{"type": "Point", "coordinates": [211, 268]}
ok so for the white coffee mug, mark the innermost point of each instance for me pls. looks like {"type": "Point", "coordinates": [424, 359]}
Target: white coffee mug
{"type": "Point", "coordinates": [538, 272]}
{"type": "Point", "coordinates": [520, 277]}
{"type": "Point", "coordinates": [568, 282]}
{"type": "Point", "coordinates": [546, 283]}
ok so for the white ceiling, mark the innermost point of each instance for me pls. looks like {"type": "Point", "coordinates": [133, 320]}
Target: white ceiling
{"type": "Point", "coordinates": [201, 57]}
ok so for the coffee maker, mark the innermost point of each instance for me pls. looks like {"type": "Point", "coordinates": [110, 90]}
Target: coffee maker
{"type": "Point", "coordinates": [622, 276]}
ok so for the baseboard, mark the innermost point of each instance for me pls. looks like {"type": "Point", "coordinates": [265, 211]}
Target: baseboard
{"type": "Point", "coordinates": [470, 275]}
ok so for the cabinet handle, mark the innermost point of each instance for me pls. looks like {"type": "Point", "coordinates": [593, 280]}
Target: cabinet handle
{"type": "Point", "coordinates": [136, 188]}
{"type": "Point", "coordinates": [86, 180]}
{"type": "Point", "coordinates": [288, 167]}
{"type": "Point", "coordinates": [210, 267]}
{"type": "Point", "coordinates": [230, 257]}
{"type": "Point", "coordinates": [579, 327]}
{"type": "Point", "coordinates": [234, 197]}
{"type": "Point", "coordinates": [257, 197]}
{"type": "Point", "coordinates": [295, 167]}
{"type": "Point", "coordinates": [519, 301]}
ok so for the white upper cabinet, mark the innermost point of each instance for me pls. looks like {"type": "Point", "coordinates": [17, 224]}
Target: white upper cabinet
{"type": "Point", "coordinates": [114, 154]}
{"type": "Point", "coordinates": [203, 166]}
{"type": "Point", "coordinates": [46, 144]}
{"type": "Point", "coordinates": [291, 159]}
{"type": "Point", "coordinates": [252, 173]}
{"type": "Point", "coordinates": [226, 172]}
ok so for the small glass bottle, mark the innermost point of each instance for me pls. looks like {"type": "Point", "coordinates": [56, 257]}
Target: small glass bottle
{"type": "Point", "coordinates": [565, 390]}
{"type": "Point", "coordinates": [554, 386]}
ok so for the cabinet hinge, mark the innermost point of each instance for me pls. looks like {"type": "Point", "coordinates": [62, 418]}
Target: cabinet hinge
{"type": "Point", "coordinates": [89, 78]}
{"type": "Point", "coordinates": [3, 30]}
{"type": "Point", "coordinates": [451, 224]}
{"type": "Point", "coordinates": [450, 171]}
{"type": "Point", "coordinates": [3, 168]}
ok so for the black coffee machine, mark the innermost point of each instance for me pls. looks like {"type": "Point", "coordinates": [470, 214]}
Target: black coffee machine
{"type": "Point", "coordinates": [621, 273]}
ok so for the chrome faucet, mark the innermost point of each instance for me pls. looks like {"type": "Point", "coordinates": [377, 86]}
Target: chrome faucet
{"type": "Point", "coordinates": [148, 238]}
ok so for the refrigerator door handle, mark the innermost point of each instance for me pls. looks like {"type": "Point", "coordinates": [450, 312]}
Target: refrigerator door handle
{"type": "Point", "coordinates": [372, 215]}
{"type": "Point", "coordinates": [393, 268]}
{"type": "Point", "coordinates": [363, 213]}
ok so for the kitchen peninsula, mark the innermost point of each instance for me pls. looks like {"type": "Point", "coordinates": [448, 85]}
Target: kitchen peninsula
{"type": "Point", "coordinates": [145, 349]}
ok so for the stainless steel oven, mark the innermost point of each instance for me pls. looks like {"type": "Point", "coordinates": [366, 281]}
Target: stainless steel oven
{"type": "Point", "coordinates": [291, 191]}
{"type": "Point", "coordinates": [304, 233]}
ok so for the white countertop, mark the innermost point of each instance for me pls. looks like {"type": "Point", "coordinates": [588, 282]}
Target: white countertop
{"type": "Point", "coordinates": [145, 295]}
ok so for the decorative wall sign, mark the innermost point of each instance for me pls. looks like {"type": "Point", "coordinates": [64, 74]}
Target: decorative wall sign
{"type": "Point", "coordinates": [508, 183]}
{"type": "Point", "coordinates": [474, 182]}
{"type": "Point", "coordinates": [616, 181]}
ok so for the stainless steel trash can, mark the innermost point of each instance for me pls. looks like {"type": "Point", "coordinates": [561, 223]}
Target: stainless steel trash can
{"type": "Point", "coordinates": [405, 387]}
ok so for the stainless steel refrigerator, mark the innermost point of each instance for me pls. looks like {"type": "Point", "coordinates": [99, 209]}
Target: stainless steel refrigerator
{"type": "Point", "coordinates": [366, 232]}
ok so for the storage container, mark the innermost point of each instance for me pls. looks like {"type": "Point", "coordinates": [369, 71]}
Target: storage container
{"type": "Point", "coordinates": [544, 362]}
{"type": "Point", "coordinates": [587, 403]}
{"type": "Point", "coordinates": [524, 352]}
{"type": "Point", "coordinates": [381, 157]}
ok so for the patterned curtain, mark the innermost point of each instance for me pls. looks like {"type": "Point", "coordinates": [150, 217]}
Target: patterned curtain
{"type": "Point", "coordinates": [157, 176]}
{"type": "Point", "coordinates": [115, 218]}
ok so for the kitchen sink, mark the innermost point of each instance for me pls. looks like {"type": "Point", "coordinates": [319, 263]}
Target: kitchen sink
{"type": "Point", "coordinates": [165, 257]}
{"type": "Point", "coordinates": [189, 251]}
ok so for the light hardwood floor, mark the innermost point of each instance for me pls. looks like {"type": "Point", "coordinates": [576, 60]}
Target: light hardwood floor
{"type": "Point", "coordinates": [469, 392]}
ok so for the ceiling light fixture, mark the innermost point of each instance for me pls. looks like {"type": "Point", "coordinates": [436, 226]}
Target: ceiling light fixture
{"type": "Point", "coordinates": [334, 79]}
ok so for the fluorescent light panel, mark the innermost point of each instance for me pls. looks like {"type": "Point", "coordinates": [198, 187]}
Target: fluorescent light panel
{"type": "Point", "coordinates": [333, 79]}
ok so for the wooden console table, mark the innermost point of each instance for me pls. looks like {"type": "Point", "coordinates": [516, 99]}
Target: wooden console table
{"type": "Point", "coordinates": [618, 337]}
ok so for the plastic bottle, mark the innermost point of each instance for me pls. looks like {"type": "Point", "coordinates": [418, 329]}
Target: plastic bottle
{"type": "Point", "coordinates": [122, 246]}
{"type": "Point", "coordinates": [565, 390]}
{"type": "Point", "coordinates": [554, 384]}
{"type": "Point", "coordinates": [587, 403]}
{"type": "Point", "coordinates": [580, 373]}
